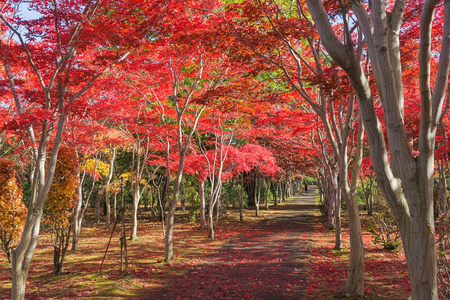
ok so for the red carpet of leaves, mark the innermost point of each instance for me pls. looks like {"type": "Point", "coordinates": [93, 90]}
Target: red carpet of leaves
{"type": "Point", "coordinates": [266, 262]}
{"type": "Point", "coordinates": [288, 255]}
{"type": "Point", "coordinates": [385, 271]}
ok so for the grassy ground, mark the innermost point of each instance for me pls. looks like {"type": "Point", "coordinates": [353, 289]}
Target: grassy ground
{"type": "Point", "coordinates": [295, 261]}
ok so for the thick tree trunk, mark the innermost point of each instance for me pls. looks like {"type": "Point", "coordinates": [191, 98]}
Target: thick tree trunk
{"type": "Point", "coordinates": [419, 244]}
{"type": "Point", "coordinates": [19, 276]}
{"type": "Point", "coordinates": [355, 277]}
{"type": "Point", "coordinates": [405, 179]}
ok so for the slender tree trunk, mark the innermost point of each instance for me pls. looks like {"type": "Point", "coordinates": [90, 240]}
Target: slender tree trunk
{"type": "Point", "coordinates": [241, 199]}
{"type": "Point", "coordinates": [442, 203]}
{"type": "Point", "coordinates": [135, 181]}
{"type": "Point", "coordinates": [133, 236]}
{"type": "Point", "coordinates": [370, 200]}
{"type": "Point", "coordinates": [258, 181]}
{"type": "Point", "coordinates": [172, 203]}
{"type": "Point", "coordinates": [275, 194]}
{"type": "Point", "coordinates": [211, 223]}
{"type": "Point", "coordinates": [76, 220]}
{"type": "Point", "coordinates": [107, 182]}
{"type": "Point", "coordinates": [108, 208]}
{"type": "Point", "coordinates": [138, 168]}
{"type": "Point", "coordinates": [80, 210]}
{"type": "Point", "coordinates": [337, 221]}
{"type": "Point", "coordinates": [267, 194]}
{"type": "Point", "coordinates": [98, 200]}
{"type": "Point", "coordinates": [115, 206]}
{"type": "Point", "coordinates": [213, 204]}
{"type": "Point", "coordinates": [183, 197]}
{"type": "Point", "coordinates": [60, 250]}
{"type": "Point", "coordinates": [201, 191]}
{"type": "Point", "coordinates": [218, 202]}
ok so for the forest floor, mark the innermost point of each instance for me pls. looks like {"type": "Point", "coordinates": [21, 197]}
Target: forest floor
{"type": "Point", "coordinates": [285, 253]}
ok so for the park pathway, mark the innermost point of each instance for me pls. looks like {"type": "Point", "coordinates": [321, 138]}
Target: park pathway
{"type": "Point", "coordinates": [266, 262]}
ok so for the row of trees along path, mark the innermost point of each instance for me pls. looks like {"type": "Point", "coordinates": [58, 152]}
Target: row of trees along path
{"type": "Point", "coordinates": [266, 262]}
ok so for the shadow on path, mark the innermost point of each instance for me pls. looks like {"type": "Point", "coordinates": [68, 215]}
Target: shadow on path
{"type": "Point", "coordinates": [266, 262]}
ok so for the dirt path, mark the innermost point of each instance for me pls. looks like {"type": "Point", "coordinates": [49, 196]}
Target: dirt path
{"type": "Point", "coordinates": [266, 262]}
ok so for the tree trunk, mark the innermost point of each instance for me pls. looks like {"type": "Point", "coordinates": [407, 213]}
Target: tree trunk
{"type": "Point", "coordinates": [406, 179]}
{"type": "Point", "coordinates": [133, 236]}
{"type": "Point", "coordinates": [80, 210]}
{"type": "Point", "coordinates": [98, 200]}
{"type": "Point", "coordinates": [168, 242]}
{"type": "Point", "coordinates": [370, 201]}
{"type": "Point", "coordinates": [355, 277]}
{"type": "Point", "coordinates": [19, 277]}
{"type": "Point", "coordinates": [60, 250]}
{"type": "Point", "coordinates": [115, 206]}
{"type": "Point", "coordinates": [241, 200]}
{"type": "Point", "coordinates": [218, 202]}
{"type": "Point", "coordinates": [108, 208]}
{"type": "Point", "coordinates": [77, 218]}
{"type": "Point", "coordinates": [258, 180]}
{"type": "Point", "coordinates": [275, 194]}
{"type": "Point", "coordinates": [201, 191]}
{"type": "Point", "coordinates": [267, 195]}
{"type": "Point", "coordinates": [211, 223]}
{"type": "Point", "coordinates": [107, 182]}
{"type": "Point", "coordinates": [337, 221]}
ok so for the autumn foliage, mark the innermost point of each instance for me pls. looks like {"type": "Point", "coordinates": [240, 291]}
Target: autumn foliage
{"type": "Point", "coordinates": [61, 201]}
{"type": "Point", "coordinates": [12, 210]}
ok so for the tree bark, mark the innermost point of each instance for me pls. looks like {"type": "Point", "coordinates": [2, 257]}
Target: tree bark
{"type": "Point", "coordinates": [21, 256]}
{"type": "Point", "coordinates": [107, 182]}
{"type": "Point", "coordinates": [183, 146]}
{"type": "Point", "coordinates": [267, 194]}
{"type": "Point", "coordinates": [241, 199]}
{"type": "Point", "coordinates": [407, 181]}
{"type": "Point", "coordinates": [201, 191]}
{"type": "Point", "coordinates": [258, 181]}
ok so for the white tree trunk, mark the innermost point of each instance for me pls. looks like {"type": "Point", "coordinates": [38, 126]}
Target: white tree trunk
{"type": "Point", "coordinates": [407, 181]}
{"type": "Point", "coordinates": [201, 191]}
